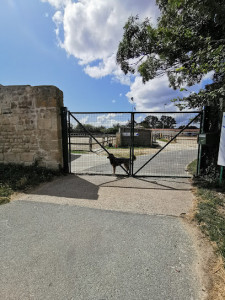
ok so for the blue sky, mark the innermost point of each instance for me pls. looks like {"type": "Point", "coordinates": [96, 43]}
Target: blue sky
{"type": "Point", "coordinates": [72, 45]}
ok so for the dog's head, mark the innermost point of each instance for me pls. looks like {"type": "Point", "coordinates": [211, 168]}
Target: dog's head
{"type": "Point", "coordinates": [111, 156]}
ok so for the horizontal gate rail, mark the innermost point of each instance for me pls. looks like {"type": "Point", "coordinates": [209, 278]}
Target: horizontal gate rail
{"type": "Point", "coordinates": [167, 143]}
{"type": "Point", "coordinates": [138, 112]}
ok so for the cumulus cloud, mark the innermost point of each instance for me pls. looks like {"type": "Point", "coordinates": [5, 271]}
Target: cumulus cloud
{"type": "Point", "coordinates": [57, 3]}
{"type": "Point", "coordinates": [92, 30]}
{"type": "Point", "coordinates": [155, 95]}
{"type": "Point", "coordinates": [108, 120]}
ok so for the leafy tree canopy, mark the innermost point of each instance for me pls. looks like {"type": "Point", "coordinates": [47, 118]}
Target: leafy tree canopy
{"type": "Point", "coordinates": [187, 43]}
{"type": "Point", "coordinates": [154, 122]}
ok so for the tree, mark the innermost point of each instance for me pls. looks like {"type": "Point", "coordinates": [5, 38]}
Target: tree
{"type": "Point", "coordinates": [187, 43]}
{"type": "Point", "coordinates": [167, 122]}
{"type": "Point", "coordinates": [150, 122]}
{"type": "Point", "coordinates": [89, 127]}
{"type": "Point", "coordinates": [129, 124]}
{"type": "Point", "coordinates": [114, 129]}
{"type": "Point", "coordinates": [189, 127]}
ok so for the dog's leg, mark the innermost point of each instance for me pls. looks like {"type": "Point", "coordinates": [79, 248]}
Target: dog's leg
{"type": "Point", "coordinates": [114, 170]}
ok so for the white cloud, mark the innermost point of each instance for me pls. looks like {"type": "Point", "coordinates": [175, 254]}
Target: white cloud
{"type": "Point", "coordinates": [57, 3]}
{"type": "Point", "coordinates": [84, 120]}
{"type": "Point", "coordinates": [58, 18]}
{"type": "Point", "coordinates": [155, 95]}
{"type": "Point", "coordinates": [108, 120]}
{"type": "Point", "coordinates": [93, 28]}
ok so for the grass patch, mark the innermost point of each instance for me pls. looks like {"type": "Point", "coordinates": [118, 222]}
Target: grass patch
{"type": "Point", "coordinates": [210, 216]}
{"type": "Point", "coordinates": [80, 151]}
{"type": "Point", "coordinates": [20, 178]}
{"type": "Point", "coordinates": [163, 140]}
{"type": "Point", "coordinates": [192, 167]}
{"type": "Point", "coordinates": [210, 213]}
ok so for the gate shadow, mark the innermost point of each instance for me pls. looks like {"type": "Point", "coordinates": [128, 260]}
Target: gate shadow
{"type": "Point", "coordinates": [76, 187]}
{"type": "Point", "coordinates": [70, 186]}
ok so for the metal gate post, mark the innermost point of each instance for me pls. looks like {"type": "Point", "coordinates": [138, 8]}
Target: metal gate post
{"type": "Point", "coordinates": [65, 139]}
{"type": "Point", "coordinates": [199, 145]}
{"type": "Point", "coordinates": [132, 146]}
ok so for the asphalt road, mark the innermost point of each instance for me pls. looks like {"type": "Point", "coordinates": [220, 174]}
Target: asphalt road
{"type": "Point", "coordinates": [60, 250]}
{"type": "Point", "coordinates": [167, 163]}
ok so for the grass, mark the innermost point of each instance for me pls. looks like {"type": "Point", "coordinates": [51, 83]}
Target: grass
{"type": "Point", "coordinates": [210, 213]}
{"type": "Point", "coordinates": [166, 140]}
{"type": "Point", "coordinates": [20, 178]}
{"type": "Point", "coordinates": [192, 167]}
{"type": "Point", "coordinates": [211, 216]}
{"type": "Point", "coordinates": [80, 151]}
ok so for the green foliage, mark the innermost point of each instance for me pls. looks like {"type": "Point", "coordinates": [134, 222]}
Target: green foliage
{"type": "Point", "coordinates": [187, 43]}
{"type": "Point", "coordinates": [20, 178]}
{"type": "Point", "coordinates": [211, 220]}
{"type": "Point", "coordinates": [210, 208]}
{"type": "Point", "coordinates": [192, 167]}
{"type": "Point", "coordinates": [95, 129]}
{"type": "Point", "coordinates": [154, 122]}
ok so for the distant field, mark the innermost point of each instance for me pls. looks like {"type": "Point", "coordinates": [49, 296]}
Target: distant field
{"type": "Point", "coordinates": [82, 145]}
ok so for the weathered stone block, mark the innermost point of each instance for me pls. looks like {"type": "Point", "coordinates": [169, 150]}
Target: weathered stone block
{"type": "Point", "coordinates": [27, 157]}
{"type": "Point", "coordinates": [30, 124]}
{"type": "Point", "coordinates": [44, 123]}
{"type": "Point", "coordinates": [12, 157]}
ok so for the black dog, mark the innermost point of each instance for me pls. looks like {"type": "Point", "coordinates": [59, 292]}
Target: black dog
{"type": "Point", "coordinates": [118, 161]}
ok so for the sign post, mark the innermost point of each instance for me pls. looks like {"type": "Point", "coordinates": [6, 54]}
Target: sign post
{"type": "Point", "coordinates": [221, 156]}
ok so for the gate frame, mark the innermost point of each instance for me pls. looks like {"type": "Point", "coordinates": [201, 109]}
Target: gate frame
{"type": "Point", "coordinates": [66, 138]}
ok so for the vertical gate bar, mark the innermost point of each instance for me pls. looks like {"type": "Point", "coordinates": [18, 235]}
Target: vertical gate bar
{"type": "Point", "coordinates": [65, 139]}
{"type": "Point", "coordinates": [200, 146]}
{"type": "Point", "coordinates": [69, 130]}
{"type": "Point", "coordinates": [132, 145]}
{"type": "Point", "coordinates": [130, 164]}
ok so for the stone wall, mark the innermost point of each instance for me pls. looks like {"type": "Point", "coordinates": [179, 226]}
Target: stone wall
{"type": "Point", "coordinates": [30, 125]}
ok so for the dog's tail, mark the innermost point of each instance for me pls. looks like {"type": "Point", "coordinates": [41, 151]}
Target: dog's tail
{"type": "Point", "coordinates": [134, 157]}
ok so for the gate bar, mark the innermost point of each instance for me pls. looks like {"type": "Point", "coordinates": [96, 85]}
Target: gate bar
{"type": "Point", "coordinates": [65, 139]}
{"type": "Point", "coordinates": [167, 144]}
{"type": "Point", "coordinates": [69, 140]}
{"type": "Point", "coordinates": [94, 139]}
{"type": "Point", "coordinates": [138, 112]}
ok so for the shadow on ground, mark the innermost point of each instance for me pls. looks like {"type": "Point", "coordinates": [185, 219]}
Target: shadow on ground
{"type": "Point", "coordinates": [87, 187]}
{"type": "Point", "coordinates": [69, 187]}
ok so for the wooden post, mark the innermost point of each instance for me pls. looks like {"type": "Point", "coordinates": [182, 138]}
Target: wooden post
{"type": "Point", "coordinates": [90, 144]}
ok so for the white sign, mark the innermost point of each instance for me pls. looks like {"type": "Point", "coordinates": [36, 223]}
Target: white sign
{"type": "Point", "coordinates": [128, 134]}
{"type": "Point", "coordinates": [221, 157]}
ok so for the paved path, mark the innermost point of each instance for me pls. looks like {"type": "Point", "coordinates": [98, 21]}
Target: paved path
{"type": "Point", "coordinates": [99, 238]}
{"type": "Point", "coordinates": [167, 163]}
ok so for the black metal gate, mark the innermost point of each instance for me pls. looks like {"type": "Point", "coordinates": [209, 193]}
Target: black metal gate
{"type": "Point", "coordinates": [154, 143]}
